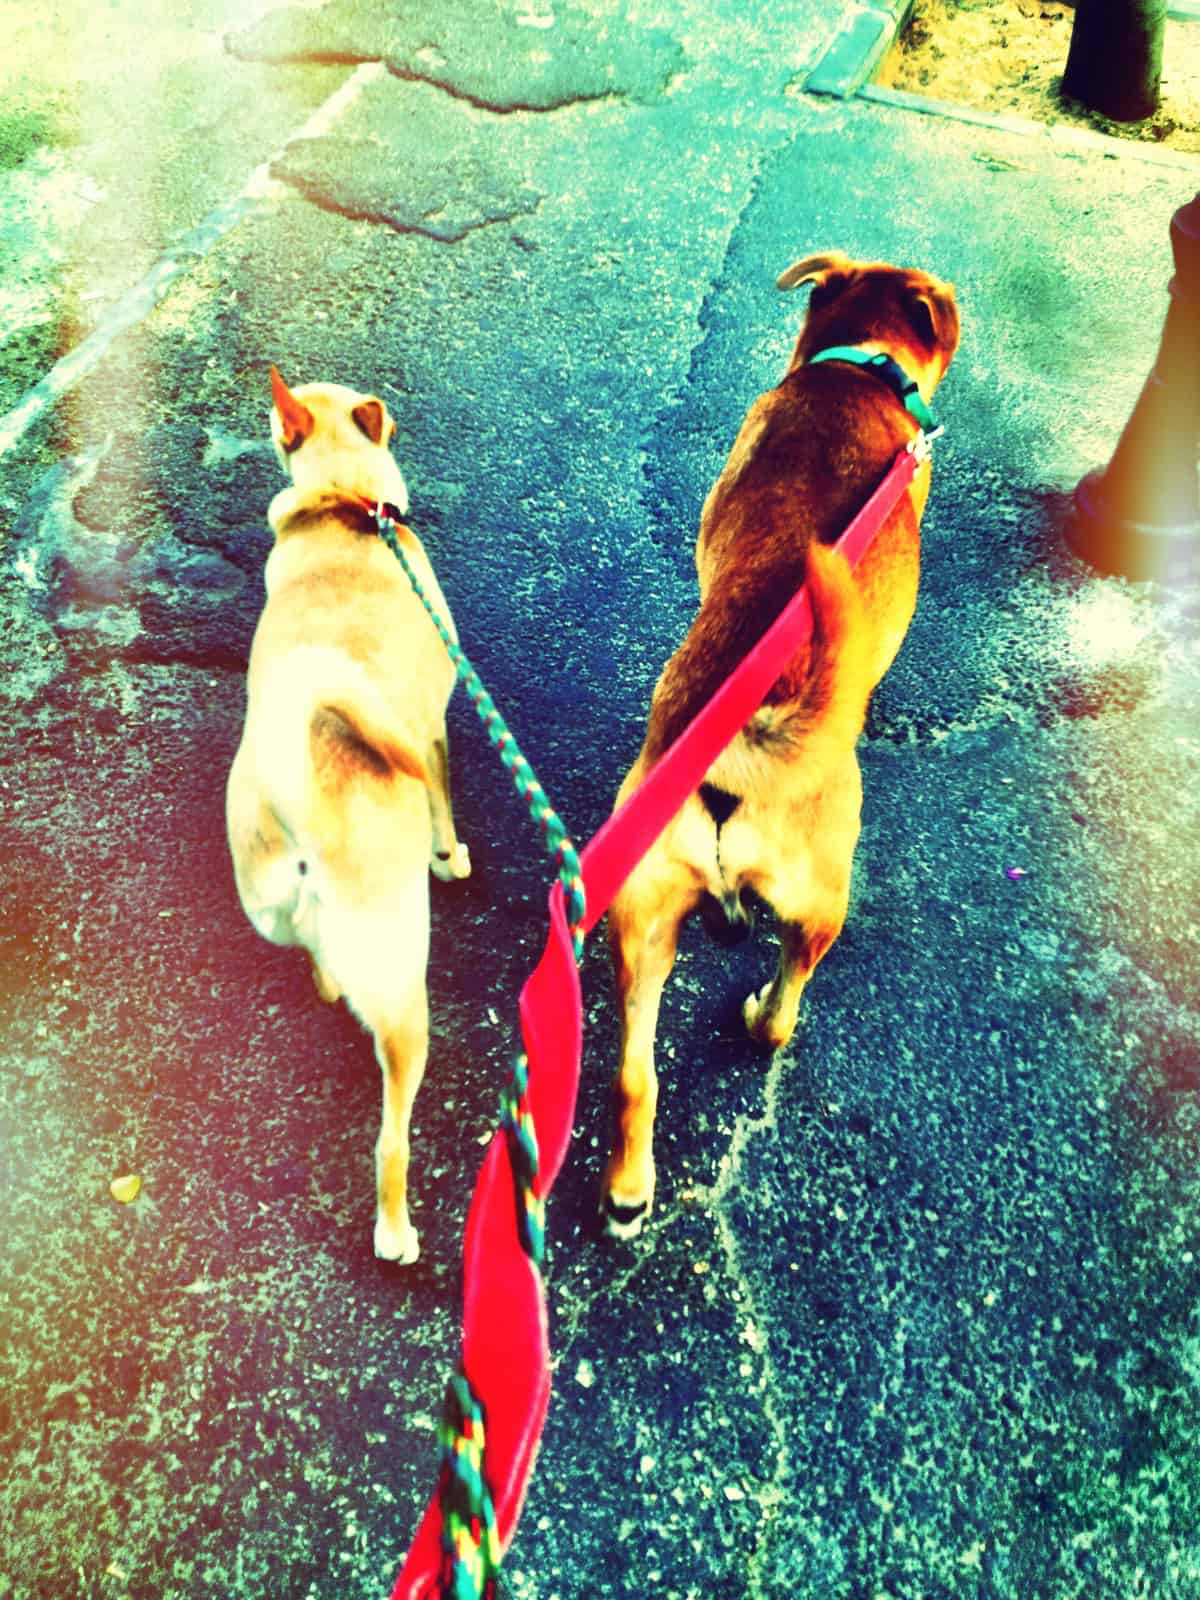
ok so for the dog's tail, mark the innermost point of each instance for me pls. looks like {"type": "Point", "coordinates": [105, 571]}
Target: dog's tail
{"type": "Point", "coordinates": [828, 697]}
{"type": "Point", "coordinates": [825, 686]}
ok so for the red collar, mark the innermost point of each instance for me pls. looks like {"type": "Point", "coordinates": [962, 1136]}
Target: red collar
{"type": "Point", "coordinates": [380, 511]}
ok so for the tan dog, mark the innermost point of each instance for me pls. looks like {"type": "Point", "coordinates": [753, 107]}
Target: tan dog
{"type": "Point", "coordinates": [778, 815]}
{"type": "Point", "coordinates": [338, 802]}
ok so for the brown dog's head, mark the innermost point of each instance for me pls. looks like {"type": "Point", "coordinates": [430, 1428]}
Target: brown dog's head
{"type": "Point", "coordinates": [908, 314]}
{"type": "Point", "coordinates": [330, 437]}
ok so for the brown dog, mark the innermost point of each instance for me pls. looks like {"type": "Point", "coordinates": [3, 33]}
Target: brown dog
{"type": "Point", "coordinates": [778, 814]}
{"type": "Point", "coordinates": [338, 801]}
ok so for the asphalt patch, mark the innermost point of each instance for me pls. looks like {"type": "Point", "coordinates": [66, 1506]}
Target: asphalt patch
{"type": "Point", "coordinates": [445, 198]}
{"type": "Point", "coordinates": [123, 562]}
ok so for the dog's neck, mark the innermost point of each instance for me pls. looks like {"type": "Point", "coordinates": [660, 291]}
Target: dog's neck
{"type": "Point", "coordinates": [884, 366]}
{"type": "Point", "coordinates": [293, 507]}
{"type": "Point", "coordinates": [323, 473]}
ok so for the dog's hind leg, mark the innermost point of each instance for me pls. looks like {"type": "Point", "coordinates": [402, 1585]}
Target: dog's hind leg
{"type": "Point", "coordinates": [449, 859]}
{"type": "Point", "coordinates": [401, 1046]}
{"type": "Point", "coordinates": [643, 929]}
{"type": "Point", "coordinates": [807, 929]}
{"type": "Point", "coordinates": [809, 888]}
{"type": "Point", "coordinates": [770, 1013]}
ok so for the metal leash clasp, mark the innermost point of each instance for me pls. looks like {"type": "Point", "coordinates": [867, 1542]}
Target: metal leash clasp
{"type": "Point", "coordinates": [921, 444]}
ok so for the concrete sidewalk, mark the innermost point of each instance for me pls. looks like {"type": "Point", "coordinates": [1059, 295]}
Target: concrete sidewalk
{"type": "Point", "coordinates": [916, 1317]}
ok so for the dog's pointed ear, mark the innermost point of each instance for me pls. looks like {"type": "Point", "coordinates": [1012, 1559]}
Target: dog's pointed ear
{"type": "Point", "coordinates": [295, 419]}
{"type": "Point", "coordinates": [372, 419]}
{"type": "Point", "coordinates": [814, 269]}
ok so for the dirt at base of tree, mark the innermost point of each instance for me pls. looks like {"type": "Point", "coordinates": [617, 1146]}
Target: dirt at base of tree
{"type": "Point", "coordinates": [1009, 56]}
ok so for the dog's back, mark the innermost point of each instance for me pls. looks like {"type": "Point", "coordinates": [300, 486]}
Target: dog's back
{"type": "Point", "coordinates": [806, 456]}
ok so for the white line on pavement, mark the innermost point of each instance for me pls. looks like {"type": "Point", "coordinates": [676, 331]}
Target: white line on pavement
{"type": "Point", "coordinates": [138, 302]}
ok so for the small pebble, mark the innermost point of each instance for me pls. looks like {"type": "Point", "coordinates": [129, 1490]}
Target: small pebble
{"type": "Point", "coordinates": [125, 1188]}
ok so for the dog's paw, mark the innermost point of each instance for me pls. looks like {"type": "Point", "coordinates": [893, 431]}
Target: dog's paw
{"type": "Point", "coordinates": [621, 1219]}
{"type": "Point", "coordinates": [398, 1244]}
{"type": "Point", "coordinates": [761, 1024]}
{"type": "Point", "coordinates": [451, 864]}
{"type": "Point", "coordinates": [328, 988]}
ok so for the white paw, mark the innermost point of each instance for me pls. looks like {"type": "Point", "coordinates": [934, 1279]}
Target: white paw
{"type": "Point", "coordinates": [454, 864]}
{"type": "Point", "coordinates": [396, 1244]}
{"type": "Point", "coordinates": [752, 1007]}
{"type": "Point", "coordinates": [760, 1024]}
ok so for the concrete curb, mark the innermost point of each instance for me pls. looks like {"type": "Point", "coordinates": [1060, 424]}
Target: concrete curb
{"type": "Point", "coordinates": [868, 32]}
{"type": "Point", "coordinates": [866, 35]}
{"type": "Point", "coordinates": [1060, 133]}
{"type": "Point", "coordinates": [1177, 10]}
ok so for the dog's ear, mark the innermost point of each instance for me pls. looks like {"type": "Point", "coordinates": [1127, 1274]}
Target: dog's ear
{"type": "Point", "coordinates": [933, 312]}
{"type": "Point", "coordinates": [814, 269]}
{"type": "Point", "coordinates": [372, 419]}
{"type": "Point", "coordinates": [295, 419]}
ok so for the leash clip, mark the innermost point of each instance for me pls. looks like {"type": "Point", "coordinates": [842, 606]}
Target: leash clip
{"type": "Point", "coordinates": [921, 444]}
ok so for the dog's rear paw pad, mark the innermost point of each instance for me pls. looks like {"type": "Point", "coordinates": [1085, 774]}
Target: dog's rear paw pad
{"type": "Point", "coordinates": [398, 1244]}
{"type": "Point", "coordinates": [450, 864]}
{"type": "Point", "coordinates": [624, 1221]}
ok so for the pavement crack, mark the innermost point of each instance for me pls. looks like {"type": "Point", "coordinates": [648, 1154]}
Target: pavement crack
{"type": "Point", "coordinates": [502, 108]}
{"type": "Point", "coordinates": [570, 1319]}
{"type": "Point", "coordinates": [315, 191]}
{"type": "Point", "coordinates": [672, 481]}
{"type": "Point", "coordinates": [771, 1494]}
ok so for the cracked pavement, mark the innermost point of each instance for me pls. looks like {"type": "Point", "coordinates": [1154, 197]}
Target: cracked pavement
{"type": "Point", "coordinates": [916, 1317]}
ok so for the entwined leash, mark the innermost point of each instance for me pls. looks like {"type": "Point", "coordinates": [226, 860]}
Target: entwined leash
{"type": "Point", "coordinates": [503, 1385]}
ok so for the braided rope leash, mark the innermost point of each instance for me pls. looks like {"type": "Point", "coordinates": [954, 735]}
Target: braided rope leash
{"type": "Point", "coordinates": [470, 1542]}
{"type": "Point", "coordinates": [470, 1539]}
{"type": "Point", "coordinates": [516, 1118]}
{"type": "Point", "coordinates": [557, 840]}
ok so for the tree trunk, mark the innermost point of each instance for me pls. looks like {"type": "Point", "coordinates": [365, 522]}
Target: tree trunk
{"type": "Point", "coordinates": [1115, 60]}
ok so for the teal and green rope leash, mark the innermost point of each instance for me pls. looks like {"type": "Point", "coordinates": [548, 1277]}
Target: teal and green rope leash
{"type": "Point", "coordinates": [470, 1542]}
{"type": "Point", "coordinates": [516, 1119]}
{"type": "Point", "coordinates": [557, 839]}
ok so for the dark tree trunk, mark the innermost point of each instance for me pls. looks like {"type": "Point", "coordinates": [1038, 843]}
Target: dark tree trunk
{"type": "Point", "coordinates": [1115, 60]}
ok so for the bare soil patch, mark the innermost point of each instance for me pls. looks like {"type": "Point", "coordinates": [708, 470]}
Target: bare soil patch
{"type": "Point", "coordinates": [1009, 55]}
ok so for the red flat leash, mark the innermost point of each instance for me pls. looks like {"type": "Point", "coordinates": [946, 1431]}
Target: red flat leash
{"type": "Point", "coordinates": [505, 1344]}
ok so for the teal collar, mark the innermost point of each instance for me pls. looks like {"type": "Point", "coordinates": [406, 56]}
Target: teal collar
{"type": "Point", "coordinates": [892, 373]}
